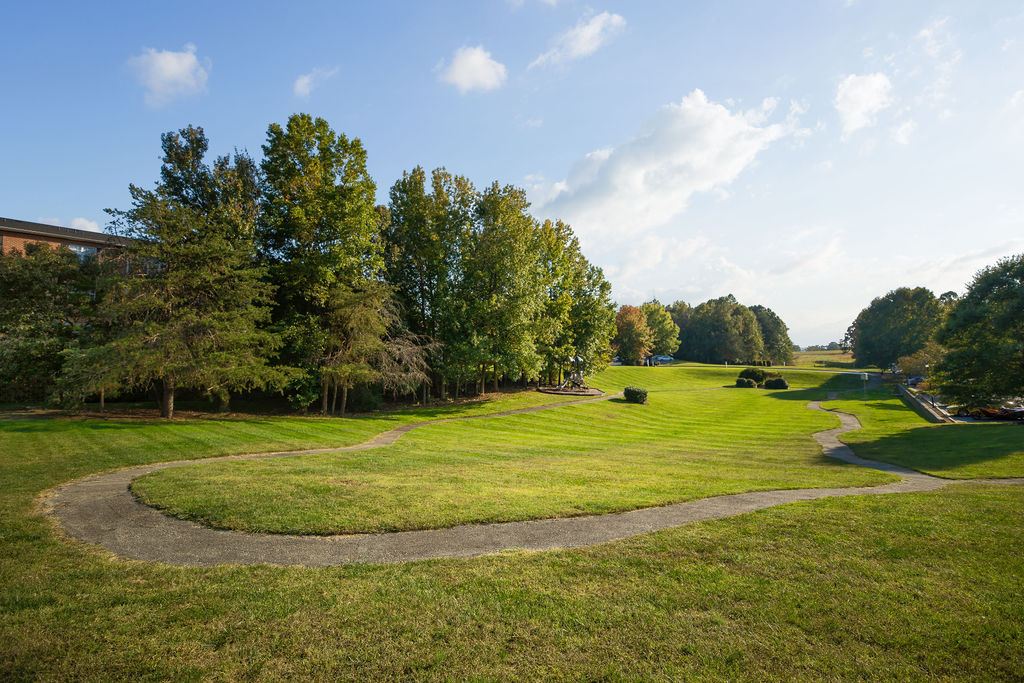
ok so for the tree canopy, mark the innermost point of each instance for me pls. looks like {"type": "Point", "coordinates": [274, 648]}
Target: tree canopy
{"type": "Point", "coordinates": [897, 324]}
{"type": "Point", "coordinates": [984, 337]}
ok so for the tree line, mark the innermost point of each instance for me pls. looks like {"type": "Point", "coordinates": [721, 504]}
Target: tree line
{"type": "Point", "coordinates": [972, 345]}
{"type": "Point", "coordinates": [284, 275]}
{"type": "Point", "coordinates": [719, 331]}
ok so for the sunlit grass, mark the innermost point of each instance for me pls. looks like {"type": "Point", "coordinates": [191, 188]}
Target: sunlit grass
{"type": "Point", "coordinates": [693, 440]}
{"type": "Point", "coordinates": [894, 433]}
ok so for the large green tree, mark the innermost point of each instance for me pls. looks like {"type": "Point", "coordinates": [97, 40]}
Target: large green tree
{"type": "Point", "coordinates": [504, 290]}
{"type": "Point", "coordinates": [984, 337]}
{"type": "Point", "coordinates": [320, 237]}
{"type": "Point", "coordinates": [897, 324]}
{"type": "Point", "coordinates": [778, 348]}
{"type": "Point", "coordinates": [188, 310]}
{"type": "Point", "coordinates": [423, 248]}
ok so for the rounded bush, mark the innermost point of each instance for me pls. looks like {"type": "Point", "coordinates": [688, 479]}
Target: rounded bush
{"type": "Point", "coordinates": [776, 383]}
{"type": "Point", "coordinates": [746, 383]}
{"type": "Point", "coordinates": [756, 374]}
{"type": "Point", "coordinates": [635, 394]}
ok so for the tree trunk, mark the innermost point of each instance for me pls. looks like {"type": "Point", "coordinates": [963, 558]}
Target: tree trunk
{"type": "Point", "coordinates": [426, 391]}
{"type": "Point", "coordinates": [483, 379]}
{"type": "Point", "coordinates": [167, 400]}
{"type": "Point", "coordinates": [495, 378]}
{"type": "Point", "coordinates": [225, 402]}
{"type": "Point", "coordinates": [334, 397]}
{"type": "Point", "coordinates": [458, 388]}
{"type": "Point", "coordinates": [103, 405]}
{"type": "Point", "coordinates": [323, 398]}
{"type": "Point", "coordinates": [344, 397]}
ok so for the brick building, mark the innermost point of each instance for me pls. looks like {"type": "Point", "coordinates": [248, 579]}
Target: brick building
{"type": "Point", "coordinates": [15, 234]}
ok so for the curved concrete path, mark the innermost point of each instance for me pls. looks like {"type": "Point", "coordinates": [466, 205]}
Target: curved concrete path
{"type": "Point", "coordinates": [101, 510]}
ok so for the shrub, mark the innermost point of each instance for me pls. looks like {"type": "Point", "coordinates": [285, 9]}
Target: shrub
{"type": "Point", "coordinates": [746, 383]}
{"type": "Point", "coordinates": [756, 374]}
{"type": "Point", "coordinates": [635, 394]}
{"type": "Point", "coordinates": [776, 383]}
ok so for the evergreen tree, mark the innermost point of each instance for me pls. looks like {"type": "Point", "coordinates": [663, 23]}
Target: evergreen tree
{"type": "Point", "coordinates": [188, 312]}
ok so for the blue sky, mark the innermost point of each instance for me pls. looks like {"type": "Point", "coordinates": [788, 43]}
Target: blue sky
{"type": "Point", "coordinates": [805, 156]}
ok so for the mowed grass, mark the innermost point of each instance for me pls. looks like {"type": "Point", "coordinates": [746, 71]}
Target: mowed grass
{"type": "Point", "coordinates": [694, 440]}
{"type": "Point", "coordinates": [893, 587]}
{"type": "Point", "coordinates": [918, 586]}
{"type": "Point", "coordinates": [828, 360]}
{"type": "Point", "coordinates": [892, 432]}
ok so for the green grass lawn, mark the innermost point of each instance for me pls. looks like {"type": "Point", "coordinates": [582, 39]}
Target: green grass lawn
{"type": "Point", "coordinates": [695, 439]}
{"type": "Point", "coordinates": [827, 360]}
{"type": "Point", "coordinates": [915, 586]}
{"type": "Point", "coordinates": [894, 433]}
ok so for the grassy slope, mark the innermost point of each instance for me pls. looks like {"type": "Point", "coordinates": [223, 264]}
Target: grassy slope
{"type": "Point", "coordinates": [914, 586]}
{"type": "Point", "coordinates": [894, 433]}
{"type": "Point", "coordinates": [908, 587]}
{"type": "Point", "coordinates": [694, 440]}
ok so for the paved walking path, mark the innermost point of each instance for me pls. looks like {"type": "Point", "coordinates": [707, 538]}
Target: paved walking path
{"type": "Point", "coordinates": [101, 510]}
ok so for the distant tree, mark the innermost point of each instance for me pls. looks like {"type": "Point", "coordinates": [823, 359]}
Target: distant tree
{"type": "Point", "coordinates": [680, 312]}
{"type": "Point", "coordinates": [923, 362]}
{"type": "Point", "coordinates": [896, 324]}
{"type": "Point", "coordinates": [632, 336]}
{"type": "Point", "coordinates": [722, 330]}
{"type": "Point", "coordinates": [778, 348]}
{"type": "Point", "coordinates": [189, 313]}
{"type": "Point", "coordinates": [664, 332]}
{"type": "Point", "coordinates": [984, 335]}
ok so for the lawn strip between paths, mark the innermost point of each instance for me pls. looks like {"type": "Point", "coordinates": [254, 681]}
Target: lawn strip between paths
{"type": "Point", "coordinates": [101, 510]}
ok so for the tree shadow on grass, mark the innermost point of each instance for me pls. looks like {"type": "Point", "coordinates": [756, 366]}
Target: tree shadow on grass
{"type": "Point", "coordinates": [943, 450]}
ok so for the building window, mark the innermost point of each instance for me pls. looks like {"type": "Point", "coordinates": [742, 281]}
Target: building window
{"type": "Point", "coordinates": [83, 252]}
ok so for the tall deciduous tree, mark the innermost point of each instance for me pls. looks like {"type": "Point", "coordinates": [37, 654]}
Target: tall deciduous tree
{"type": "Point", "coordinates": [504, 290]}
{"type": "Point", "coordinates": [188, 312]}
{"type": "Point", "coordinates": [896, 324]}
{"type": "Point", "coordinates": [664, 332]}
{"type": "Point", "coordinates": [320, 236]}
{"type": "Point", "coordinates": [984, 335]}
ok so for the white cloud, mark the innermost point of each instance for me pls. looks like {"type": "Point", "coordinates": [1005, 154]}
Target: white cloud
{"type": "Point", "coordinates": [307, 83]}
{"type": "Point", "coordinates": [534, 123]}
{"type": "Point", "coordinates": [167, 75]}
{"type": "Point", "coordinates": [902, 132]}
{"type": "Point", "coordinates": [859, 98]}
{"type": "Point", "coordinates": [1015, 100]}
{"type": "Point", "coordinates": [938, 43]}
{"type": "Point", "coordinates": [472, 68]}
{"type": "Point", "coordinates": [77, 222]}
{"type": "Point", "coordinates": [583, 39]}
{"type": "Point", "coordinates": [690, 147]}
